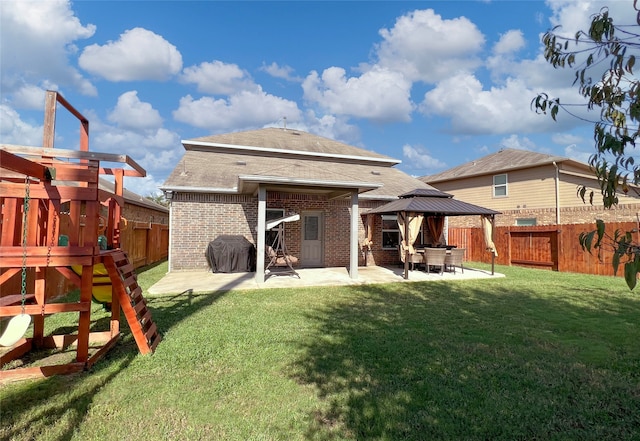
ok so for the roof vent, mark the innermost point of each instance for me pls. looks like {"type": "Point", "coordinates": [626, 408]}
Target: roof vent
{"type": "Point", "coordinates": [375, 172]}
{"type": "Point", "coordinates": [241, 162]}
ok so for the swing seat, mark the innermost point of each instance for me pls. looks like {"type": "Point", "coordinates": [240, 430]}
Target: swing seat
{"type": "Point", "coordinates": [101, 291]}
{"type": "Point", "coordinates": [15, 330]}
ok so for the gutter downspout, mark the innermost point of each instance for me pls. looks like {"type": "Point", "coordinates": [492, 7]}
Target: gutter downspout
{"type": "Point", "coordinates": [557, 183]}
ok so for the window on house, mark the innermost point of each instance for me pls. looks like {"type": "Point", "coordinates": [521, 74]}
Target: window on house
{"type": "Point", "coordinates": [500, 186]}
{"type": "Point", "coordinates": [272, 213]}
{"type": "Point", "coordinates": [390, 232]}
{"type": "Point", "coordinates": [526, 222]}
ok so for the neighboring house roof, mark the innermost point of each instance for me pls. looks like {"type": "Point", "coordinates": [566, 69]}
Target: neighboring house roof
{"type": "Point", "coordinates": [131, 197]}
{"type": "Point", "coordinates": [286, 159]}
{"type": "Point", "coordinates": [500, 162]}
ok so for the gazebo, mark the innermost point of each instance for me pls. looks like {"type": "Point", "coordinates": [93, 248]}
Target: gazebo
{"type": "Point", "coordinates": [433, 205]}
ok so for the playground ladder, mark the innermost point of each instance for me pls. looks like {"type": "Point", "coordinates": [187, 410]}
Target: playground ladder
{"type": "Point", "coordinates": [129, 294]}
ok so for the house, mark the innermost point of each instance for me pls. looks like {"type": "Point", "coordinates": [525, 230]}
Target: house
{"type": "Point", "coordinates": [233, 184]}
{"type": "Point", "coordinates": [530, 188]}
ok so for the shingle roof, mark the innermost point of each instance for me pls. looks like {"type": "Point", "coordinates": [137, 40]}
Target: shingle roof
{"type": "Point", "coordinates": [131, 197]}
{"type": "Point", "coordinates": [504, 160]}
{"type": "Point", "coordinates": [220, 167]}
{"type": "Point", "coordinates": [287, 140]}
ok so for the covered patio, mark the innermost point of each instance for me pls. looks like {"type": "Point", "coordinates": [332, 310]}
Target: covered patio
{"type": "Point", "coordinates": [205, 281]}
{"type": "Point", "coordinates": [431, 207]}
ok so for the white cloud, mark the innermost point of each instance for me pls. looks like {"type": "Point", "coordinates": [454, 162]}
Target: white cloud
{"type": "Point", "coordinates": [425, 47]}
{"type": "Point", "coordinates": [13, 130]}
{"type": "Point", "coordinates": [138, 55]}
{"type": "Point", "coordinates": [509, 42]}
{"type": "Point", "coordinates": [36, 40]}
{"type": "Point", "coordinates": [244, 109]}
{"type": "Point", "coordinates": [30, 96]}
{"type": "Point", "coordinates": [572, 151]}
{"type": "Point", "coordinates": [498, 110]}
{"type": "Point", "coordinates": [133, 114]}
{"type": "Point", "coordinates": [331, 126]}
{"type": "Point", "coordinates": [419, 158]}
{"type": "Point", "coordinates": [218, 78]}
{"type": "Point", "coordinates": [518, 142]}
{"type": "Point", "coordinates": [566, 138]}
{"type": "Point", "coordinates": [284, 72]}
{"type": "Point", "coordinates": [144, 187]}
{"type": "Point", "coordinates": [111, 138]}
{"type": "Point", "coordinates": [379, 94]}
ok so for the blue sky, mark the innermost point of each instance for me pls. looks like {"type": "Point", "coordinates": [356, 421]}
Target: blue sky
{"type": "Point", "coordinates": [432, 83]}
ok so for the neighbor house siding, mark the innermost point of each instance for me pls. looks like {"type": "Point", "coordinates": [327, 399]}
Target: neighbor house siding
{"type": "Point", "coordinates": [531, 188]}
{"type": "Point", "coordinates": [532, 195]}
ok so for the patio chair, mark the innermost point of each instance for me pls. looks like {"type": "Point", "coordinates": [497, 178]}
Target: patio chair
{"type": "Point", "coordinates": [455, 258]}
{"type": "Point", "coordinates": [435, 257]}
{"type": "Point", "coordinates": [414, 259]}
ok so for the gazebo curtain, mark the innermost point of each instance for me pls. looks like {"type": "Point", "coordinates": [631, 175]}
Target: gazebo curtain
{"type": "Point", "coordinates": [487, 228]}
{"type": "Point", "coordinates": [436, 227]}
{"type": "Point", "coordinates": [414, 222]}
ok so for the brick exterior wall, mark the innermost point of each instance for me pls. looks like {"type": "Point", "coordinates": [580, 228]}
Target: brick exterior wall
{"type": "Point", "coordinates": [197, 219]}
{"type": "Point", "coordinates": [136, 213]}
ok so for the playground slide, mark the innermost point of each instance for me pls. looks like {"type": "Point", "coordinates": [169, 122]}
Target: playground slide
{"type": "Point", "coordinates": [101, 290]}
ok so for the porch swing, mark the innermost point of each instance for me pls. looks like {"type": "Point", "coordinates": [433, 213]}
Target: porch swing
{"type": "Point", "coordinates": [277, 252]}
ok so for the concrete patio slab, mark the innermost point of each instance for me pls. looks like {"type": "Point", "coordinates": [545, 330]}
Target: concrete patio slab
{"type": "Point", "coordinates": [206, 281]}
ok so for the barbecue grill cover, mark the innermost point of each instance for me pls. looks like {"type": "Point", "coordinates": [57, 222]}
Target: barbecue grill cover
{"type": "Point", "coordinates": [231, 254]}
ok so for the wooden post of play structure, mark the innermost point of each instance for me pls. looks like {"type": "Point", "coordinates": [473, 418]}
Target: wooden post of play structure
{"type": "Point", "coordinates": [77, 177]}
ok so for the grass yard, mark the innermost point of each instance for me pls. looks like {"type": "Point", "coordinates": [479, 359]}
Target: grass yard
{"type": "Point", "coordinates": [537, 355]}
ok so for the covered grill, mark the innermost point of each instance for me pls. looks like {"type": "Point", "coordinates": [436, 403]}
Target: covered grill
{"type": "Point", "coordinates": [231, 254]}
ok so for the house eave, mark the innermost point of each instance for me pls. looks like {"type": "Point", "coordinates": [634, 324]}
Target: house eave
{"type": "Point", "coordinates": [186, 189]}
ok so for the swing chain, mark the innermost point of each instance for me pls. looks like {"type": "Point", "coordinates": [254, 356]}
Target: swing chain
{"type": "Point", "coordinates": [25, 220]}
{"type": "Point", "coordinates": [53, 237]}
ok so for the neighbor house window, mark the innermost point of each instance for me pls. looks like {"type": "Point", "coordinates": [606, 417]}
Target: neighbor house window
{"type": "Point", "coordinates": [272, 213]}
{"type": "Point", "coordinates": [526, 222]}
{"type": "Point", "coordinates": [500, 186]}
{"type": "Point", "coordinates": [390, 232]}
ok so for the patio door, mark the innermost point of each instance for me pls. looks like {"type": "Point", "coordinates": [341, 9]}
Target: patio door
{"type": "Point", "coordinates": [311, 252]}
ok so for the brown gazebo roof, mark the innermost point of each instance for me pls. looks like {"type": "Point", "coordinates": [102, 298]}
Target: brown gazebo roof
{"type": "Point", "coordinates": [433, 203]}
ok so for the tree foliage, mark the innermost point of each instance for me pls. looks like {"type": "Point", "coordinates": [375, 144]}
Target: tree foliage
{"type": "Point", "coordinates": [608, 52]}
{"type": "Point", "coordinates": [158, 198]}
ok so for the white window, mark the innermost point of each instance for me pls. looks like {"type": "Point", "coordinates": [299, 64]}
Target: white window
{"type": "Point", "coordinates": [526, 222]}
{"type": "Point", "coordinates": [390, 232]}
{"type": "Point", "coordinates": [500, 186]}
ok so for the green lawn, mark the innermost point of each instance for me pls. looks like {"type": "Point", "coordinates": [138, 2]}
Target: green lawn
{"type": "Point", "coordinates": [536, 355]}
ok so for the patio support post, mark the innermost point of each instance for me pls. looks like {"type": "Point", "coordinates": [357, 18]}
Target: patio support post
{"type": "Point", "coordinates": [262, 223]}
{"type": "Point", "coordinates": [353, 248]}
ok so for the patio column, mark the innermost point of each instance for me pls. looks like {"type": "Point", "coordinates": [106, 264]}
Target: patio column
{"type": "Point", "coordinates": [353, 248]}
{"type": "Point", "coordinates": [262, 223]}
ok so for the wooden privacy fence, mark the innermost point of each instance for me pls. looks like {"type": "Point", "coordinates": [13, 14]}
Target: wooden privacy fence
{"type": "Point", "coordinates": [145, 243]}
{"type": "Point", "coordinates": [554, 247]}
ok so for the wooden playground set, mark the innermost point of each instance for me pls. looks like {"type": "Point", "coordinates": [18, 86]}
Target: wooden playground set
{"type": "Point", "coordinates": [55, 218]}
